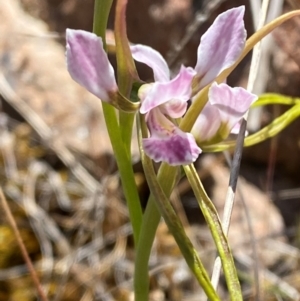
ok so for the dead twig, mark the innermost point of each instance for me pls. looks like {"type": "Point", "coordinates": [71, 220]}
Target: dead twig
{"type": "Point", "coordinates": [229, 202]}
{"type": "Point", "coordinates": [20, 242]}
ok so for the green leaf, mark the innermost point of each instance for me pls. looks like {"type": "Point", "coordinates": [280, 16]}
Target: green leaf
{"type": "Point", "coordinates": [212, 219]}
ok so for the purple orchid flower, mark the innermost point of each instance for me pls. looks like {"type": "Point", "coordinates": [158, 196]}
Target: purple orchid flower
{"type": "Point", "coordinates": [219, 49]}
{"type": "Point", "coordinates": [89, 66]}
{"type": "Point", "coordinates": [222, 113]}
{"type": "Point", "coordinates": [166, 98]}
{"type": "Point", "coordinates": [162, 100]}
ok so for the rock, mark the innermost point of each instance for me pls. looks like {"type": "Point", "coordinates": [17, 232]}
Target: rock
{"type": "Point", "coordinates": [263, 215]}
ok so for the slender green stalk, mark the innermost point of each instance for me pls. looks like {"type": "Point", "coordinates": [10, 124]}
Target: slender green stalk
{"type": "Point", "coordinates": [102, 8]}
{"type": "Point", "coordinates": [126, 70]}
{"type": "Point", "coordinates": [101, 13]}
{"type": "Point", "coordinates": [149, 225]}
{"type": "Point", "coordinates": [126, 121]}
{"type": "Point", "coordinates": [150, 222]}
{"type": "Point", "coordinates": [175, 225]}
{"type": "Point", "coordinates": [273, 98]}
{"type": "Point", "coordinates": [125, 170]}
{"type": "Point", "coordinates": [212, 219]}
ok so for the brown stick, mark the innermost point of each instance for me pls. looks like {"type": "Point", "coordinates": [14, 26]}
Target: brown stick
{"type": "Point", "coordinates": [22, 247]}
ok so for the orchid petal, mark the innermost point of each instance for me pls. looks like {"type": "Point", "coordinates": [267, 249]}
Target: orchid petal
{"type": "Point", "coordinates": [88, 64]}
{"type": "Point", "coordinates": [174, 108]}
{"type": "Point", "coordinates": [153, 59]}
{"type": "Point", "coordinates": [232, 103]}
{"type": "Point", "coordinates": [236, 128]}
{"type": "Point", "coordinates": [178, 149]}
{"type": "Point", "coordinates": [178, 89]}
{"type": "Point", "coordinates": [168, 143]}
{"type": "Point", "coordinates": [221, 45]}
{"type": "Point", "coordinates": [207, 124]}
{"type": "Point", "coordinates": [222, 114]}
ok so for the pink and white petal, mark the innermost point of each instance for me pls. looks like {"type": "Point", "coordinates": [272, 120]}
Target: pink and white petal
{"type": "Point", "coordinates": [174, 108]}
{"type": "Point", "coordinates": [232, 103]}
{"type": "Point", "coordinates": [178, 89]}
{"type": "Point", "coordinates": [153, 59]}
{"type": "Point", "coordinates": [178, 149]}
{"type": "Point", "coordinates": [236, 128]}
{"type": "Point", "coordinates": [88, 63]}
{"type": "Point", "coordinates": [207, 124]}
{"type": "Point", "coordinates": [221, 45]}
{"type": "Point", "coordinates": [144, 91]}
{"type": "Point", "coordinates": [168, 143]}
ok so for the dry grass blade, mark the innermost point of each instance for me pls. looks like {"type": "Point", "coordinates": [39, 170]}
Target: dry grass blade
{"type": "Point", "coordinates": [24, 252]}
{"type": "Point", "coordinates": [48, 137]}
{"type": "Point", "coordinates": [6, 146]}
{"type": "Point", "coordinates": [257, 48]}
{"type": "Point", "coordinates": [229, 202]}
{"type": "Point", "coordinates": [41, 221]}
{"type": "Point", "coordinates": [267, 51]}
{"type": "Point", "coordinates": [257, 292]}
{"type": "Point", "coordinates": [271, 279]}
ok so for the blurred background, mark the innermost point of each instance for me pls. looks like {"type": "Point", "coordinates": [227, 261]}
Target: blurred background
{"type": "Point", "coordinates": [60, 179]}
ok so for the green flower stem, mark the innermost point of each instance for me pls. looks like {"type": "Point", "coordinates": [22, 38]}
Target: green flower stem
{"type": "Point", "coordinates": [272, 99]}
{"type": "Point", "coordinates": [101, 13]}
{"type": "Point", "coordinates": [125, 170]}
{"type": "Point", "coordinates": [149, 226]}
{"type": "Point", "coordinates": [126, 71]}
{"type": "Point", "coordinates": [212, 219]}
{"type": "Point", "coordinates": [102, 8]}
{"type": "Point", "coordinates": [175, 225]}
{"type": "Point", "coordinates": [126, 122]}
{"type": "Point", "coordinates": [150, 223]}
